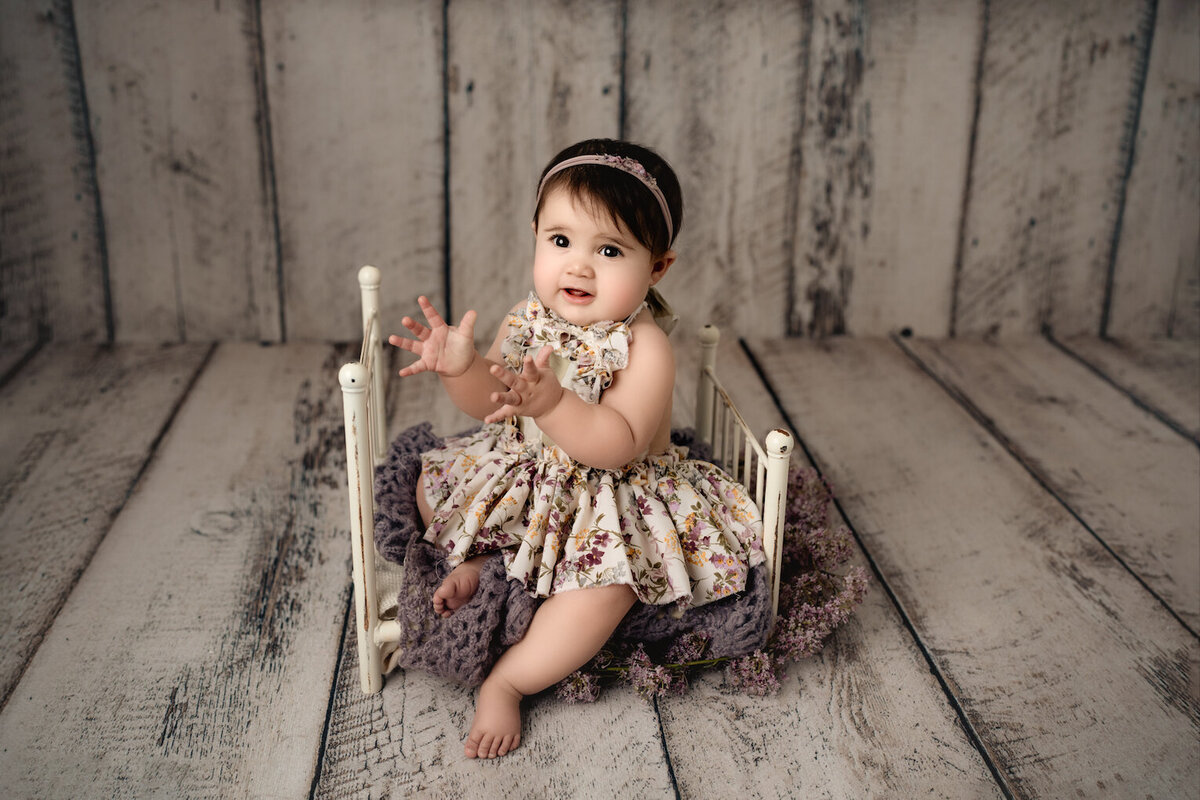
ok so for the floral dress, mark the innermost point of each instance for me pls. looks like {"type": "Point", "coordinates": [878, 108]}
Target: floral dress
{"type": "Point", "coordinates": [676, 530]}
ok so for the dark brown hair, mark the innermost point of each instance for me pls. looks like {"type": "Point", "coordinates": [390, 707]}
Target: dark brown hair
{"type": "Point", "coordinates": [628, 201]}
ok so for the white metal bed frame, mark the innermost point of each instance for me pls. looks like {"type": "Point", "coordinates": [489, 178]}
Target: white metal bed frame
{"type": "Point", "coordinates": [761, 467]}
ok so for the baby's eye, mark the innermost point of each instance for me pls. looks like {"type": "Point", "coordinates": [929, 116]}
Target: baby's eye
{"type": "Point", "coordinates": [560, 241]}
{"type": "Point", "coordinates": [610, 251]}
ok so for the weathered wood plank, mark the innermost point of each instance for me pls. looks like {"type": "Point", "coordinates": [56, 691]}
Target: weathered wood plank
{"type": "Point", "coordinates": [174, 101]}
{"type": "Point", "coordinates": [1058, 94]}
{"type": "Point", "coordinates": [51, 262]}
{"type": "Point", "coordinates": [1077, 681]}
{"type": "Point", "coordinates": [918, 91]}
{"type": "Point", "coordinates": [864, 718]}
{"type": "Point", "coordinates": [526, 79]}
{"type": "Point", "coordinates": [77, 427]}
{"type": "Point", "coordinates": [1163, 376]}
{"type": "Point", "coordinates": [356, 118]}
{"type": "Point", "coordinates": [1156, 275]}
{"type": "Point", "coordinates": [1094, 449]}
{"type": "Point", "coordinates": [720, 104]}
{"type": "Point", "coordinates": [407, 740]}
{"type": "Point", "coordinates": [837, 172]}
{"type": "Point", "coordinates": [194, 657]}
{"type": "Point", "coordinates": [12, 357]}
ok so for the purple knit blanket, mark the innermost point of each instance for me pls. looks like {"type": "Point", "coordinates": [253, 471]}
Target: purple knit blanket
{"type": "Point", "coordinates": [463, 646]}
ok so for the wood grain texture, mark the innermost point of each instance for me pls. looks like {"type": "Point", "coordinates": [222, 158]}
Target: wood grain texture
{"type": "Point", "coordinates": [865, 718]}
{"type": "Point", "coordinates": [1058, 96]}
{"type": "Point", "coordinates": [1156, 276]}
{"type": "Point", "coordinates": [51, 254]}
{"type": "Point", "coordinates": [77, 427]}
{"type": "Point", "coordinates": [407, 740]}
{"type": "Point", "coordinates": [174, 102]}
{"type": "Point", "coordinates": [918, 93]}
{"type": "Point", "coordinates": [1097, 452]}
{"type": "Point", "coordinates": [1164, 376]}
{"type": "Point", "coordinates": [837, 171]}
{"type": "Point", "coordinates": [525, 79]}
{"type": "Point", "coordinates": [713, 88]}
{"type": "Point", "coordinates": [1077, 681]}
{"type": "Point", "coordinates": [356, 118]}
{"type": "Point", "coordinates": [194, 657]}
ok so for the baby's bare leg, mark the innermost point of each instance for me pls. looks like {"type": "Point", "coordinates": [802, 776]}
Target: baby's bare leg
{"type": "Point", "coordinates": [567, 630]}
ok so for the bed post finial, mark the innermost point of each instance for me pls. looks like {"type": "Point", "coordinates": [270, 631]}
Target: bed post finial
{"type": "Point", "coordinates": [369, 279]}
{"type": "Point", "coordinates": [710, 336]}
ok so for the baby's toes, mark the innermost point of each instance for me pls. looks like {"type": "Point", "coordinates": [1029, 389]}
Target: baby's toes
{"type": "Point", "coordinates": [488, 746]}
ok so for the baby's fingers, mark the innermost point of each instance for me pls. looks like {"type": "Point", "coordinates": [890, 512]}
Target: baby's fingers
{"type": "Point", "coordinates": [509, 378]}
{"type": "Point", "coordinates": [415, 368]}
{"type": "Point", "coordinates": [501, 414]}
{"type": "Point", "coordinates": [418, 330]}
{"type": "Point", "coordinates": [466, 326]}
{"type": "Point", "coordinates": [404, 344]}
{"type": "Point", "coordinates": [431, 314]}
{"type": "Point", "coordinates": [543, 357]}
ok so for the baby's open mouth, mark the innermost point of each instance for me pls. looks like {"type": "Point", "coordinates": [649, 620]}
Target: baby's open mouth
{"type": "Point", "coordinates": [577, 293]}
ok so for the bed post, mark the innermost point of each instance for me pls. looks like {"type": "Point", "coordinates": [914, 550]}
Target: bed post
{"type": "Point", "coordinates": [368, 283]}
{"type": "Point", "coordinates": [779, 447]}
{"type": "Point", "coordinates": [710, 335]}
{"type": "Point", "coordinates": [360, 468]}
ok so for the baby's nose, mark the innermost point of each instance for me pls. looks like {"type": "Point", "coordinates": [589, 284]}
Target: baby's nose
{"type": "Point", "coordinates": [580, 266]}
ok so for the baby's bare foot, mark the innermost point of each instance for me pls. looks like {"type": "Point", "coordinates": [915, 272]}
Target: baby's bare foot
{"type": "Point", "coordinates": [458, 587]}
{"type": "Point", "coordinates": [496, 730]}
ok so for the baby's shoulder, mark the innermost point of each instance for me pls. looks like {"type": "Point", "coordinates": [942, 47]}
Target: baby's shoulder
{"type": "Point", "coordinates": [647, 339]}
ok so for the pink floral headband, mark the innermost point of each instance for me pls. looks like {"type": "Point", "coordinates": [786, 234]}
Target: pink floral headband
{"type": "Point", "coordinates": [627, 165]}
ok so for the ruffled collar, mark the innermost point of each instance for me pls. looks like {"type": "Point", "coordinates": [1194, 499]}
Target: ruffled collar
{"type": "Point", "coordinates": [592, 352]}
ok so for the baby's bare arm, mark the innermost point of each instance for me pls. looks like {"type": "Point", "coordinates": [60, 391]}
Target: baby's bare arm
{"type": "Point", "coordinates": [450, 352]}
{"type": "Point", "coordinates": [623, 424]}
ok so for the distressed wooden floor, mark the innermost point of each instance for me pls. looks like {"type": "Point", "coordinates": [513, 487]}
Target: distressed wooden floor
{"type": "Point", "coordinates": [174, 585]}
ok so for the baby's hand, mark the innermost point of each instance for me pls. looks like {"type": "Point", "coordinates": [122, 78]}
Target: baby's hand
{"type": "Point", "coordinates": [441, 348]}
{"type": "Point", "coordinates": [531, 393]}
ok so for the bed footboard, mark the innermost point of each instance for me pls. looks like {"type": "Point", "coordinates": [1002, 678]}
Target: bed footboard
{"type": "Point", "coordinates": [362, 399]}
{"type": "Point", "coordinates": [761, 468]}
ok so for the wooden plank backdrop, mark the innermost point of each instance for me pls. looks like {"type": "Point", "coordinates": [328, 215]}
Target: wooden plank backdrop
{"type": "Point", "coordinates": [206, 171]}
{"type": "Point", "coordinates": [52, 254]}
{"type": "Point", "coordinates": [1156, 278]}
{"type": "Point", "coordinates": [355, 95]}
{"type": "Point", "coordinates": [1058, 95]}
{"type": "Point", "coordinates": [175, 112]}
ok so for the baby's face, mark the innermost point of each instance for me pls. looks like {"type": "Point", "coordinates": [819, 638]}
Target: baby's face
{"type": "Point", "coordinates": [587, 267]}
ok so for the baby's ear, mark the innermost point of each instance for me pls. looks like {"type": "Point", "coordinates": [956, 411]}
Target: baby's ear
{"type": "Point", "coordinates": [660, 266]}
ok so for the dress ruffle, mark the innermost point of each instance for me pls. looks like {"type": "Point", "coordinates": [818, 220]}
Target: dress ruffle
{"type": "Point", "coordinates": [676, 530]}
{"type": "Point", "coordinates": [594, 352]}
